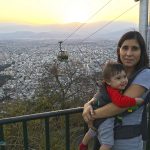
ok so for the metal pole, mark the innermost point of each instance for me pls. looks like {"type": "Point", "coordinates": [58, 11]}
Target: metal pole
{"type": "Point", "coordinates": [143, 18]}
{"type": "Point", "coordinates": [67, 128]}
{"type": "Point", "coordinates": [148, 36]}
{"type": "Point", "coordinates": [60, 42]}
{"type": "Point", "coordinates": [47, 136]}
{"type": "Point", "coordinates": [25, 135]}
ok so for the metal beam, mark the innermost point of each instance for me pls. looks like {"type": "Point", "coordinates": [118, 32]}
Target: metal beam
{"type": "Point", "coordinates": [143, 18]}
{"type": "Point", "coordinates": [148, 36]}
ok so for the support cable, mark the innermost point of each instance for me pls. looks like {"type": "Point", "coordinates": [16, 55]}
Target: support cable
{"type": "Point", "coordinates": [104, 27]}
{"type": "Point", "coordinates": [80, 26]}
{"type": "Point", "coordinates": [108, 23]}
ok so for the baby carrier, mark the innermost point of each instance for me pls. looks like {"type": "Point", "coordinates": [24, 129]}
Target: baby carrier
{"type": "Point", "coordinates": [125, 131]}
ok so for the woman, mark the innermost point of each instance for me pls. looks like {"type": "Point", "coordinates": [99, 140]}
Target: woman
{"type": "Point", "coordinates": [131, 52]}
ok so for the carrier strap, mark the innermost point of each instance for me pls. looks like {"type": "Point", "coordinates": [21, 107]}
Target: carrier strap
{"type": "Point", "coordinates": [127, 131]}
{"type": "Point", "coordinates": [130, 131]}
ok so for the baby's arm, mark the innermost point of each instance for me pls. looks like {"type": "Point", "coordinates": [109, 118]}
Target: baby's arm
{"type": "Point", "coordinates": [122, 100]}
{"type": "Point", "coordinates": [111, 109]}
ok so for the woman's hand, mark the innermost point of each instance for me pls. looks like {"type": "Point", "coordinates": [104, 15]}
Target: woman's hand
{"type": "Point", "coordinates": [88, 111]}
{"type": "Point", "coordinates": [110, 109]}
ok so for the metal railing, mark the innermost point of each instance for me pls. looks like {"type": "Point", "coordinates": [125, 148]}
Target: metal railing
{"type": "Point", "coordinates": [26, 118]}
{"type": "Point", "coordinates": [46, 115]}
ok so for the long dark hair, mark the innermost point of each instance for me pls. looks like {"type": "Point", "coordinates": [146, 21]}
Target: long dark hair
{"type": "Point", "coordinates": [144, 60]}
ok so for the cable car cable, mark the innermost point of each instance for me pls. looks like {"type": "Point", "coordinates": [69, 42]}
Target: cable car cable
{"type": "Point", "coordinates": [80, 26]}
{"type": "Point", "coordinates": [109, 23]}
{"type": "Point", "coordinates": [104, 27]}
{"type": "Point", "coordinates": [63, 54]}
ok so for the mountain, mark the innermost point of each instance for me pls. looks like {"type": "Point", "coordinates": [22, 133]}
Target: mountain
{"type": "Point", "coordinates": [73, 31]}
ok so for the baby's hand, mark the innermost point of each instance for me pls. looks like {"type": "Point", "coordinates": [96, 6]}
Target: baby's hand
{"type": "Point", "coordinates": [139, 101]}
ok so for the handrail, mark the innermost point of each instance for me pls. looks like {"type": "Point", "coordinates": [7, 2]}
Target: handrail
{"type": "Point", "coordinates": [46, 115]}
{"type": "Point", "coordinates": [40, 115]}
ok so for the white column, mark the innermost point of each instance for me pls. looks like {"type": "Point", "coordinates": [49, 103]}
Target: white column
{"type": "Point", "coordinates": [143, 18]}
{"type": "Point", "coordinates": [148, 36]}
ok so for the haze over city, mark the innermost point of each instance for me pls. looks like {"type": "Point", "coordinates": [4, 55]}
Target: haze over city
{"type": "Point", "coordinates": [33, 15]}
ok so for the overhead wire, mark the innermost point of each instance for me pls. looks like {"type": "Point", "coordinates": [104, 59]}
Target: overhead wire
{"type": "Point", "coordinates": [110, 22]}
{"type": "Point", "coordinates": [93, 15]}
{"type": "Point", "coordinates": [105, 25]}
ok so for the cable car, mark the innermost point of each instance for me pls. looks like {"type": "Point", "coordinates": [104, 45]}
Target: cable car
{"type": "Point", "coordinates": [62, 55]}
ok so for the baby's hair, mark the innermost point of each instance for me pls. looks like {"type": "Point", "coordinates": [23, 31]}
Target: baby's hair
{"type": "Point", "coordinates": [111, 69]}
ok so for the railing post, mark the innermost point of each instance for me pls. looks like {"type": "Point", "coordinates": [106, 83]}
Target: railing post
{"type": "Point", "coordinates": [25, 135]}
{"type": "Point", "coordinates": [2, 137]}
{"type": "Point", "coordinates": [47, 137]}
{"type": "Point", "coordinates": [24, 120]}
{"type": "Point", "coordinates": [67, 132]}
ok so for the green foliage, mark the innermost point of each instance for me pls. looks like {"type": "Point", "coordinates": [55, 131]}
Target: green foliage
{"type": "Point", "coordinates": [66, 84]}
{"type": "Point", "coordinates": [4, 79]}
{"type": "Point", "coordinates": [36, 131]}
{"type": "Point", "coordinates": [62, 86]}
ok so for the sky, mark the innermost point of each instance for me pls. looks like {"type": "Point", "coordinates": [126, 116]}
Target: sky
{"type": "Point", "coordinates": [44, 12]}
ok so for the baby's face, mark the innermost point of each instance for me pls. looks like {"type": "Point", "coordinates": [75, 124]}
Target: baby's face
{"type": "Point", "coordinates": [119, 81]}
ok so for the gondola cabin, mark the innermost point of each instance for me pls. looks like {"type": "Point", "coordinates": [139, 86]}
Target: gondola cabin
{"type": "Point", "coordinates": [62, 55]}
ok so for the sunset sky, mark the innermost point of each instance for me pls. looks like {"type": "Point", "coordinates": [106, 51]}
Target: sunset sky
{"type": "Point", "coordinates": [41, 12]}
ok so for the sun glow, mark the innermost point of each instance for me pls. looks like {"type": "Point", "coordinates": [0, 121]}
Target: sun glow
{"type": "Point", "coordinates": [75, 16]}
{"type": "Point", "coordinates": [76, 11]}
{"type": "Point", "coordinates": [61, 11]}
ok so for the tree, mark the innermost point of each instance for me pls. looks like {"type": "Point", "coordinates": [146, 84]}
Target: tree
{"type": "Point", "coordinates": [3, 79]}
{"type": "Point", "coordinates": [65, 84]}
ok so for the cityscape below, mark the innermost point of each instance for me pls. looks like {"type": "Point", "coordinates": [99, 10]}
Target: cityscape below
{"type": "Point", "coordinates": [25, 60]}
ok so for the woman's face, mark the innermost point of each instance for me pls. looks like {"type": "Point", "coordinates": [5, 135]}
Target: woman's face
{"type": "Point", "coordinates": [130, 53]}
